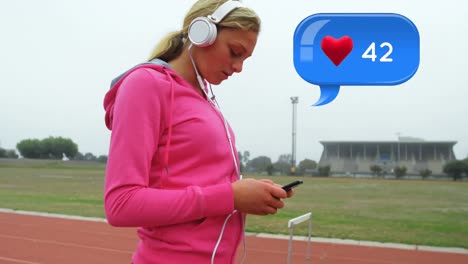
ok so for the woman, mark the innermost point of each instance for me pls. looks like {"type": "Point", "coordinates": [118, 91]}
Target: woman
{"type": "Point", "coordinates": [172, 166]}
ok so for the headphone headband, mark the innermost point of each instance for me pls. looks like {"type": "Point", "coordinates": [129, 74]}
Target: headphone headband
{"type": "Point", "coordinates": [224, 10]}
{"type": "Point", "coordinates": [202, 31]}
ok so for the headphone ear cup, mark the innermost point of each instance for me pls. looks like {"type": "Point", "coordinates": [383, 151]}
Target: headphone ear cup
{"type": "Point", "coordinates": [202, 32]}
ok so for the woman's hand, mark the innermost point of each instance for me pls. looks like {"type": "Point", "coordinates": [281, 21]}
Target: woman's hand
{"type": "Point", "coordinates": [289, 193]}
{"type": "Point", "coordinates": [260, 197]}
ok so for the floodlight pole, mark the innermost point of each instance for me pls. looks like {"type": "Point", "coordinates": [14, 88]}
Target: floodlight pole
{"type": "Point", "coordinates": [294, 101]}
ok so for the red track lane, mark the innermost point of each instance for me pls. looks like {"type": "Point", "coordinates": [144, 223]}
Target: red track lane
{"type": "Point", "coordinates": [26, 239]}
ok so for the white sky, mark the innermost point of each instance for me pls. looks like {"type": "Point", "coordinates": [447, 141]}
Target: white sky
{"type": "Point", "coordinates": [58, 57]}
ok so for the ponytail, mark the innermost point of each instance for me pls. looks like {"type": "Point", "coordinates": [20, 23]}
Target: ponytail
{"type": "Point", "coordinates": [169, 47]}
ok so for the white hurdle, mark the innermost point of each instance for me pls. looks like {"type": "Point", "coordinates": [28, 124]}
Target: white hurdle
{"type": "Point", "coordinates": [291, 224]}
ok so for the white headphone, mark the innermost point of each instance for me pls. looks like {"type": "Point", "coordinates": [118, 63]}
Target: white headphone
{"type": "Point", "coordinates": [202, 31]}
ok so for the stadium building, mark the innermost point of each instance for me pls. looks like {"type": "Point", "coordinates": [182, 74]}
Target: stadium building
{"type": "Point", "coordinates": [356, 157]}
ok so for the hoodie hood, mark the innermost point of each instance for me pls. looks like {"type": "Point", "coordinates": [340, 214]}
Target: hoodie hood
{"type": "Point", "coordinates": [109, 99]}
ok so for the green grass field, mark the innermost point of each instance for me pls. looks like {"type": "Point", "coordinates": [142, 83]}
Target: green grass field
{"type": "Point", "coordinates": [402, 211]}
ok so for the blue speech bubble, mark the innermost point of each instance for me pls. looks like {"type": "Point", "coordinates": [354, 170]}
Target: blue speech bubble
{"type": "Point", "coordinates": [331, 50]}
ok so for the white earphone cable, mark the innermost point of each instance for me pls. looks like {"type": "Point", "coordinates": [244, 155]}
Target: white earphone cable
{"type": "Point", "coordinates": [214, 102]}
{"type": "Point", "coordinates": [220, 236]}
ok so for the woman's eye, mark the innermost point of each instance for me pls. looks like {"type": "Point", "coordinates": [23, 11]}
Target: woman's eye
{"type": "Point", "coordinates": [234, 53]}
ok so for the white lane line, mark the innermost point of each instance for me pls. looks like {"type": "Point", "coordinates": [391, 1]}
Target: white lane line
{"type": "Point", "coordinates": [18, 260]}
{"type": "Point", "coordinates": [71, 217]}
{"type": "Point", "coordinates": [65, 244]}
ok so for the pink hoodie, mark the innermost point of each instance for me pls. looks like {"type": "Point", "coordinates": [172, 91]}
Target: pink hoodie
{"type": "Point", "coordinates": [157, 119]}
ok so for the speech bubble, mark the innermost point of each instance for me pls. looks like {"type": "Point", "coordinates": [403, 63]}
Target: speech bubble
{"type": "Point", "coordinates": [331, 50]}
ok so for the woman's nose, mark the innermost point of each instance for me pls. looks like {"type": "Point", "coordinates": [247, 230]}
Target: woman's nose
{"type": "Point", "coordinates": [237, 66]}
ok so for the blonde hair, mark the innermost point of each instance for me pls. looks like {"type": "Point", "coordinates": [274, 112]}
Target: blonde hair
{"type": "Point", "coordinates": [171, 46]}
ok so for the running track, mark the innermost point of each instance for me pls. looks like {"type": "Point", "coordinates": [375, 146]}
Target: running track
{"type": "Point", "coordinates": [29, 239]}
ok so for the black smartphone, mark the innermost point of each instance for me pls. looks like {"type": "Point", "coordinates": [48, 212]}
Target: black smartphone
{"type": "Point", "coordinates": [288, 186]}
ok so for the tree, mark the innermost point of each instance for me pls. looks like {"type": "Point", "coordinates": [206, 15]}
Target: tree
{"type": "Point", "coordinates": [11, 154]}
{"type": "Point", "coordinates": [270, 169]}
{"type": "Point", "coordinates": [102, 159]}
{"type": "Point", "coordinates": [63, 146]}
{"type": "Point", "coordinates": [306, 166]}
{"type": "Point", "coordinates": [399, 171]}
{"type": "Point", "coordinates": [89, 156]}
{"type": "Point", "coordinates": [48, 148]}
{"type": "Point", "coordinates": [376, 170]}
{"type": "Point", "coordinates": [246, 157]}
{"type": "Point", "coordinates": [456, 168]}
{"type": "Point", "coordinates": [30, 148]}
{"type": "Point", "coordinates": [259, 164]}
{"type": "Point", "coordinates": [79, 156]}
{"type": "Point", "coordinates": [283, 165]}
{"type": "Point", "coordinates": [242, 165]}
{"type": "Point", "coordinates": [425, 173]}
{"type": "Point", "coordinates": [243, 159]}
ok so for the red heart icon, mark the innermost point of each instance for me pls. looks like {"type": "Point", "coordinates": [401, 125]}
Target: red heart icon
{"type": "Point", "coordinates": [337, 49]}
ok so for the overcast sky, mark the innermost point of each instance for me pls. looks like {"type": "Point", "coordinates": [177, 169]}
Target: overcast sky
{"type": "Point", "coordinates": [58, 57]}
